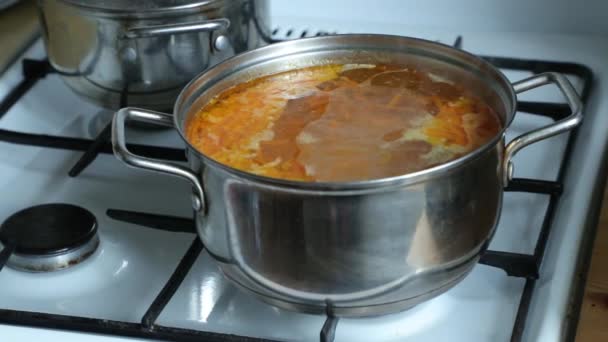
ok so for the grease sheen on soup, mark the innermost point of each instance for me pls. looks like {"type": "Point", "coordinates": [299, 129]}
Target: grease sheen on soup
{"type": "Point", "coordinates": [342, 123]}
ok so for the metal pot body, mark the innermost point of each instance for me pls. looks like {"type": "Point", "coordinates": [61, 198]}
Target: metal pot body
{"type": "Point", "coordinates": [144, 57]}
{"type": "Point", "coordinates": [358, 248]}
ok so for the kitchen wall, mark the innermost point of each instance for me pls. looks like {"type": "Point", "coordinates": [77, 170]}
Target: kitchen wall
{"type": "Point", "coordinates": [558, 16]}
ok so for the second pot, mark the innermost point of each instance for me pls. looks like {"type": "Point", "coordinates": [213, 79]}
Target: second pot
{"type": "Point", "coordinates": [142, 53]}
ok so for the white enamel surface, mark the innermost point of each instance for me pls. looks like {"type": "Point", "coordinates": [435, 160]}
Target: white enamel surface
{"type": "Point", "coordinates": [133, 263]}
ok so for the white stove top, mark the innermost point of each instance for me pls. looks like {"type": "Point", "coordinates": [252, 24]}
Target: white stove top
{"type": "Point", "coordinates": [133, 263]}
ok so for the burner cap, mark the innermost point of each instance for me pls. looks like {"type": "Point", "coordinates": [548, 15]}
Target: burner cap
{"type": "Point", "coordinates": [49, 237]}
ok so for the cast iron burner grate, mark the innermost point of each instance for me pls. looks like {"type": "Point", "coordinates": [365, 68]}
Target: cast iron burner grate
{"type": "Point", "coordinates": [35, 70]}
{"type": "Point", "coordinates": [514, 264]}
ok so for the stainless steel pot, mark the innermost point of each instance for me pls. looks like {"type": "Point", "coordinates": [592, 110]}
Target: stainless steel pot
{"type": "Point", "coordinates": [146, 50]}
{"type": "Point", "coordinates": [363, 248]}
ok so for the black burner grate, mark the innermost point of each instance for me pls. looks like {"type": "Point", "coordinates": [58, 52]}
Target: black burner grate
{"type": "Point", "coordinates": [514, 264]}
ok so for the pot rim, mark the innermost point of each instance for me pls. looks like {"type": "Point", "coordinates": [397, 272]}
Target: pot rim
{"type": "Point", "coordinates": [217, 73]}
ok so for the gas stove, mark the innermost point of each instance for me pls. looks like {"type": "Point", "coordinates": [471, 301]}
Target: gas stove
{"type": "Point", "coordinates": [150, 277]}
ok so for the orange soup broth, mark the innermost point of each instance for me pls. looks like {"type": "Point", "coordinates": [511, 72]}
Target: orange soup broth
{"type": "Point", "coordinates": [342, 123]}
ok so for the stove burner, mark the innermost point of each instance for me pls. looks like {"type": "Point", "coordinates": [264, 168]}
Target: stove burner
{"type": "Point", "coordinates": [49, 237]}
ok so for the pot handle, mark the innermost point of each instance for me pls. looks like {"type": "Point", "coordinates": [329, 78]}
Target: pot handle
{"type": "Point", "coordinates": [169, 29]}
{"type": "Point", "coordinates": [548, 131]}
{"type": "Point", "coordinates": [121, 152]}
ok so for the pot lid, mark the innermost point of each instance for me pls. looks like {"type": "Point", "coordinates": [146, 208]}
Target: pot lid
{"type": "Point", "coordinates": [139, 5]}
